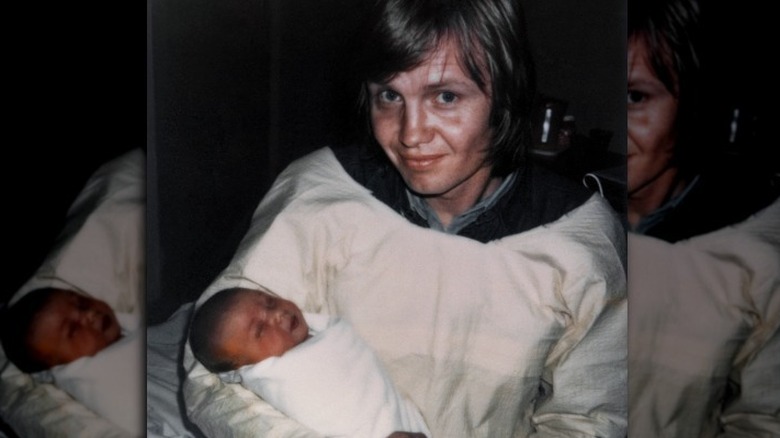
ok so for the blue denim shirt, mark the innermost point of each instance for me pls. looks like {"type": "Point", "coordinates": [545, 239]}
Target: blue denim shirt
{"type": "Point", "coordinates": [421, 207]}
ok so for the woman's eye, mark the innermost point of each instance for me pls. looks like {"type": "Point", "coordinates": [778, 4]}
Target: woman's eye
{"type": "Point", "coordinates": [388, 96]}
{"type": "Point", "coordinates": [446, 97]}
{"type": "Point", "coordinates": [635, 97]}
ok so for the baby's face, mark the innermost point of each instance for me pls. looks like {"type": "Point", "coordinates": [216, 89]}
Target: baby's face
{"type": "Point", "coordinates": [260, 326]}
{"type": "Point", "coordinates": [70, 326]}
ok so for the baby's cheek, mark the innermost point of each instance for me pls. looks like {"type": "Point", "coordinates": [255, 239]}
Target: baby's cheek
{"type": "Point", "coordinates": [281, 344]}
{"type": "Point", "coordinates": [92, 344]}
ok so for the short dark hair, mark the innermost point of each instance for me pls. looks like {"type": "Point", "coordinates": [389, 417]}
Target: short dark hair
{"type": "Point", "coordinates": [205, 321]}
{"type": "Point", "coordinates": [16, 325]}
{"type": "Point", "coordinates": [669, 30]}
{"type": "Point", "coordinates": [494, 50]}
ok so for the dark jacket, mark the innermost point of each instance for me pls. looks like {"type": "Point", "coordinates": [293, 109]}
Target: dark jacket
{"type": "Point", "coordinates": [537, 197]}
{"type": "Point", "coordinates": [718, 199]}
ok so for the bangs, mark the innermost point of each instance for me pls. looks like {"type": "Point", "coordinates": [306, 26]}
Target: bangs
{"type": "Point", "coordinates": [406, 36]}
{"type": "Point", "coordinates": [659, 57]}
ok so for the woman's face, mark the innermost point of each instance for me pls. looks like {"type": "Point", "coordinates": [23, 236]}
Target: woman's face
{"type": "Point", "coordinates": [433, 123]}
{"type": "Point", "coordinates": [652, 130]}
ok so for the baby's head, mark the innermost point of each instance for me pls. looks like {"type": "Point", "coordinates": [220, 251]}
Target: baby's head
{"type": "Point", "coordinates": [49, 327]}
{"type": "Point", "coordinates": [238, 327]}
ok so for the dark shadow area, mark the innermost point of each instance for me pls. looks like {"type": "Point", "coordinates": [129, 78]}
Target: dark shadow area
{"type": "Point", "coordinates": [737, 121]}
{"type": "Point", "coordinates": [75, 94]}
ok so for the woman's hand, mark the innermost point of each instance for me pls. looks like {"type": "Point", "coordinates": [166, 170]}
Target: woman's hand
{"type": "Point", "coordinates": [407, 435]}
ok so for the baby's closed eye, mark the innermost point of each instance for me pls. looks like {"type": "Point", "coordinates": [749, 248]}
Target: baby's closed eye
{"type": "Point", "coordinates": [270, 302]}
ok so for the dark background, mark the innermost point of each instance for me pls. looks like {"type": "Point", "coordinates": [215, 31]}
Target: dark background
{"type": "Point", "coordinates": [74, 95]}
{"type": "Point", "coordinates": [241, 88]}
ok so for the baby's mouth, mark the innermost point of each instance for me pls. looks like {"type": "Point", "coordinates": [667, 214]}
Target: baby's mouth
{"type": "Point", "coordinates": [110, 327]}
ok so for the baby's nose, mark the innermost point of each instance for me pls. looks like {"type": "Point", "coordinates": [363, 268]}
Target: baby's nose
{"type": "Point", "coordinates": [282, 318]}
{"type": "Point", "coordinates": [89, 318]}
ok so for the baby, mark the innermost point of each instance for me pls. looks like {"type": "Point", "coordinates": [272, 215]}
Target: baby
{"type": "Point", "coordinates": [49, 327]}
{"type": "Point", "coordinates": [328, 380]}
{"type": "Point", "coordinates": [239, 327]}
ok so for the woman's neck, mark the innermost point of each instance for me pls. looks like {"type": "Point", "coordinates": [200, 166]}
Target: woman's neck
{"type": "Point", "coordinates": [451, 205]}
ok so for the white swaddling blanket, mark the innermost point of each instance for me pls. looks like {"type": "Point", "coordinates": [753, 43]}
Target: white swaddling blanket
{"type": "Point", "coordinates": [301, 383]}
{"type": "Point", "coordinates": [469, 331]}
{"type": "Point", "coordinates": [99, 253]}
{"type": "Point", "coordinates": [706, 315]}
{"type": "Point", "coordinates": [107, 383]}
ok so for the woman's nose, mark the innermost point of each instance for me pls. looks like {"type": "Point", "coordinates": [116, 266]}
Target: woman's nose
{"type": "Point", "coordinates": [414, 127]}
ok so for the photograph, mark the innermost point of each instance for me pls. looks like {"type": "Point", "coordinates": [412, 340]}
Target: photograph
{"type": "Point", "coordinates": [392, 219]}
{"type": "Point", "coordinates": [412, 173]}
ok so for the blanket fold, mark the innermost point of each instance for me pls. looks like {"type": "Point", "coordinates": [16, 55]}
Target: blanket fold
{"type": "Point", "coordinates": [334, 361]}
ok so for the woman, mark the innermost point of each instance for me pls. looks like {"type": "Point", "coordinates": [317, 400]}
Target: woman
{"type": "Point", "coordinates": [446, 90]}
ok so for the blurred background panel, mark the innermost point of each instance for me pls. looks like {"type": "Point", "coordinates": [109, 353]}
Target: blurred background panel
{"type": "Point", "coordinates": [74, 99]}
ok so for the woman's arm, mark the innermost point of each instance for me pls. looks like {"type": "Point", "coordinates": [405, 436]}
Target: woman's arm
{"type": "Point", "coordinates": [584, 385]}
{"type": "Point", "coordinates": [755, 383]}
{"type": "Point", "coordinates": [754, 409]}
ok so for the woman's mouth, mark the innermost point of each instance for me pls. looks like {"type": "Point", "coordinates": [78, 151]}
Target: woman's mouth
{"type": "Point", "coordinates": [423, 162]}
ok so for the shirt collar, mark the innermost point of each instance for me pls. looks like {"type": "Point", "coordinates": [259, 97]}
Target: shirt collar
{"type": "Point", "coordinates": [663, 211]}
{"type": "Point", "coordinates": [421, 207]}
